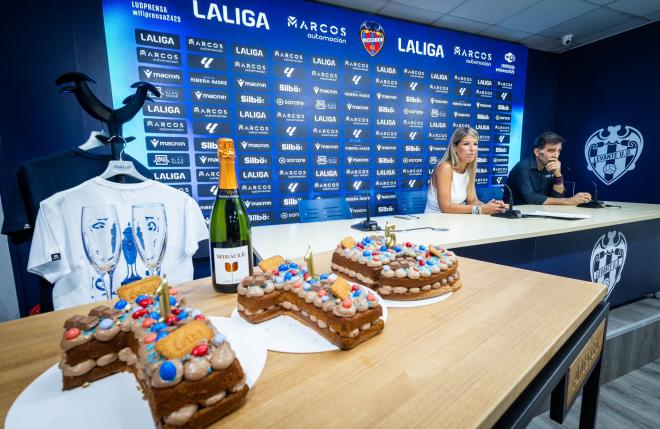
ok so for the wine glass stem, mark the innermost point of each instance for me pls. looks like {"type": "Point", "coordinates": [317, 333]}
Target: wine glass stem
{"type": "Point", "coordinates": [107, 287]}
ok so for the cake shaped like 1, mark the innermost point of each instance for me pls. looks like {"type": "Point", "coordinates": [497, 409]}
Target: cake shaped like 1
{"type": "Point", "coordinates": [344, 314]}
{"type": "Point", "coordinates": [187, 370]}
{"type": "Point", "coordinates": [404, 272]}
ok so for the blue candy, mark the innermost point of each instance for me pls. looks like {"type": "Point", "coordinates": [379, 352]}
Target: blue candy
{"type": "Point", "coordinates": [323, 276]}
{"type": "Point", "coordinates": [357, 293]}
{"type": "Point", "coordinates": [430, 263]}
{"type": "Point", "coordinates": [219, 339]}
{"type": "Point", "coordinates": [366, 253]}
{"type": "Point", "coordinates": [156, 327]}
{"type": "Point", "coordinates": [307, 286]}
{"type": "Point", "coordinates": [161, 335]}
{"type": "Point", "coordinates": [313, 281]}
{"type": "Point", "coordinates": [121, 304]}
{"type": "Point", "coordinates": [182, 315]}
{"type": "Point", "coordinates": [172, 300]}
{"type": "Point", "coordinates": [154, 315]}
{"type": "Point", "coordinates": [140, 298]}
{"type": "Point", "coordinates": [422, 247]}
{"type": "Point", "coordinates": [167, 371]}
{"type": "Point", "coordinates": [106, 324]}
{"type": "Point", "coordinates": [288, 276]}
{"type": "Point", "coordinates": [397, 248]}
{"type": "Point", "coordinates": [383, 248]}
{"type": "Point", "coordinates": [367, 240]}
{"type": "Point", "coordinates": [282, 267]}
{"type": "Point", "coordinates": [325, 298]}
{"type": "Point", "coordinates": [293, 265]}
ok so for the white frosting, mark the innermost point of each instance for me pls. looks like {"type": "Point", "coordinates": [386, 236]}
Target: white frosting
{"type": "Point", "coordinates": [181, 416]}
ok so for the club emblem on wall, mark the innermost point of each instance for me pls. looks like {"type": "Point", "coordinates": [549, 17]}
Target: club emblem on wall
{"type": "Point", "coordinates": [372, 36]}
{"type": "Point", "coordinates": [608, 259]}
{"type": "Point", "coordinates": [613, 154]}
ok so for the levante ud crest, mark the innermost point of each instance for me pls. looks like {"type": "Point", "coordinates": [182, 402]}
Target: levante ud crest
{"type": "Point", "coordinates": [613, 154]}
{"type": "Point", "coordinates": [608, 259]}
{"type": "Point", "coordinates": [372, 36]}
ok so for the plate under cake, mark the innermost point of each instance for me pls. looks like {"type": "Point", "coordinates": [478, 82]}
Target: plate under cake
{"type": "Point", "coordinates": [344, 314]}
{"type": "Point", "coordinates": [361, 261]}
{"type": "Point", "coordinates": [186, 369]}
{"type": "Point", "coordinates": [419, 272]}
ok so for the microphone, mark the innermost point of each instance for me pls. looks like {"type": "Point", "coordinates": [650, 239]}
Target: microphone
{"type": "Point", "coordinates": [367, 224]}
{"type": "Point", "coordinates": [594, 203]}
{"type": "Point", "coordinates": [510, 213]}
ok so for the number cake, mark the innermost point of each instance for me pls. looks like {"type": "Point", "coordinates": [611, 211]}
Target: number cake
{"type": "Point", "coordinates": [186, 369]}
{"type": "Point", "coordinates": [344, 314]}
{"type": "Point", "coordinates": [403, 272]}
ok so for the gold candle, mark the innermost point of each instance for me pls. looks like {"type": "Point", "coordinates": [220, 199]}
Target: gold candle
{"type": "Point", "coordinates": [390, 238]}
{"type": "Point", "coordinates": [309, 260]}
{"type": "Point", "coordinates": [163, 292]}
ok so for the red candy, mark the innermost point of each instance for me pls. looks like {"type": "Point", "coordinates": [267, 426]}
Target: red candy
{"type": "Point", "coordinates": [354, 288]}
{"type": "Point", "coordinates": [200, 350]}
{"type": "Point", "coordinates": [171, 320]}
{"type": "Point", "coordinates": [293, 272]}
{"type": "Point", "coordinates": [422, 263]}
{"type": "Point", "coordinates": [347, 303]}
{"type": "Point", "coordinates": [371, 297]}
{"type": "Point", "coordinates": [360, 245]}
{"type": "Point", "coordinates": [323, 292]}
{"type": "Point", "coordinates": [408, 244]}
{"type": "Point", "coordinates": [176, 311]}
{"type": "Point", "coordinates": [146, 302]}
{"type": "Point", "coordinates": [375, 252]}
{"type": "Point", "coordinates": [297, 284]}
{"type": "Point", "coordinates": [200, 317]}
{"type": "Point", "coordinates": [139, 313]}
{"type": "Point", "coordinates": [276, 272]}
{"type": "Point", "coordinates": [148, 322]}
{"type": "Point", "coordinates": [72, 333]}
{"type": "Point", "coordinates": [149, 338]}
{"type": "Point", "coordinates": [306, 276]}
{"type": "Point", "coordinates": [173, 291]}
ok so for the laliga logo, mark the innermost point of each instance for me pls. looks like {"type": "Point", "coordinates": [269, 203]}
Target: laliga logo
{"type": "Point", "coordinates": [608, 259]}
{"type": "Point", "coordinates": [611, 155]}
{"type": "Point", "coordinates": [372, 36]}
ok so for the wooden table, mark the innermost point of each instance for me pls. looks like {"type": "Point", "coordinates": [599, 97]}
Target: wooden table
{"type": "Point", "coordinates": [459, 363]}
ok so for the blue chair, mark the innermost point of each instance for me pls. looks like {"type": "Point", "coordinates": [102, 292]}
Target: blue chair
{"type": "Point", "coordinates": [411, 202]}
{"type": "Point", "coordinates": [490, 193]}
{"type": "Point", "coordinates": [323, 209]}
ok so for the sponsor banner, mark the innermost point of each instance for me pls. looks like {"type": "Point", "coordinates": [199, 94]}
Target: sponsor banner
{"type": "Point", "coordinates": [320, 101]}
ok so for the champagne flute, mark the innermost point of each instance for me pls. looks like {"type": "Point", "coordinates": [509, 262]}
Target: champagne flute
{"type": "Point", "coordinates": [100, 229]}
{"type": "Point", "coordinates": [150, 234]}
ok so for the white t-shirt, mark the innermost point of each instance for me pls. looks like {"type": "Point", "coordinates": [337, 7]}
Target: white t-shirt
{"type": "Point", "coordinates": [58, 254]}
{"type": "Point", "coordinates": [459, 184]}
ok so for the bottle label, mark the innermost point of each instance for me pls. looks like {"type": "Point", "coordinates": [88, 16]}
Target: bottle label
{"type": "Point", "coordinates": [231, 264]}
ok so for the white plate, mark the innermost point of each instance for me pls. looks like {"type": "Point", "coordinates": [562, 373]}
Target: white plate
{"type": "Point", "coordinates": [113, 402]}
{"type": "Point", "coordinates": [287, 335]}
{"type": "Point", "coordinates": [416, 303]}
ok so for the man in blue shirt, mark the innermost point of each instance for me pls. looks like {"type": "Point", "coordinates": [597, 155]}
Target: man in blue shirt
{"type": "Point", "coordinates": [538, 180]}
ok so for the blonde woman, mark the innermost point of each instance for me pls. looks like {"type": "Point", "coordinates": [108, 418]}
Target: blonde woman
{"type": "Point", "coordinates": [451, 186]}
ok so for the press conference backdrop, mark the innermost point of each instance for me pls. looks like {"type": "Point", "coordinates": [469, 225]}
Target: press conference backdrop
{"type": "Point", "coordinates": [321, 101]}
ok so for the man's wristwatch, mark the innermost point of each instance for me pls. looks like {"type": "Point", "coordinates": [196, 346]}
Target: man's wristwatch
{"type": "Point", "coordinates": [558, 180]}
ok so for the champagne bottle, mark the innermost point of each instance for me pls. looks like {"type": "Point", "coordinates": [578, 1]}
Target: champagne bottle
{"type": "Point", "coordinates": [230, 237]}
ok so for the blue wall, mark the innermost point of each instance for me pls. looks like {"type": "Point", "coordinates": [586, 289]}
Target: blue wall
{"type": "Point", "coordinates": [609, 83]}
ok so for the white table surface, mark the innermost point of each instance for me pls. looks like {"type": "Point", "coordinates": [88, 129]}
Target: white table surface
{"type": "Point", "coordinates": [291, 240]}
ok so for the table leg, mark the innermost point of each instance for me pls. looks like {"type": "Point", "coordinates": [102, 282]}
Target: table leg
{"type": "Point", "coordinates": [590, 391]}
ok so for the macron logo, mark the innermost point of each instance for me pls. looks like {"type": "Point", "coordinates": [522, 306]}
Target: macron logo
{"type": "Point", "coordinates": [244, 144]}
{"type": "Point", "coordinates": [240, 82]}
{"type": "Point", "coordinates": [154, 142]}
{"type": "Point", "coordinates": [198, 94]}
{"type": "Point", "coordinates": [147, 73]}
